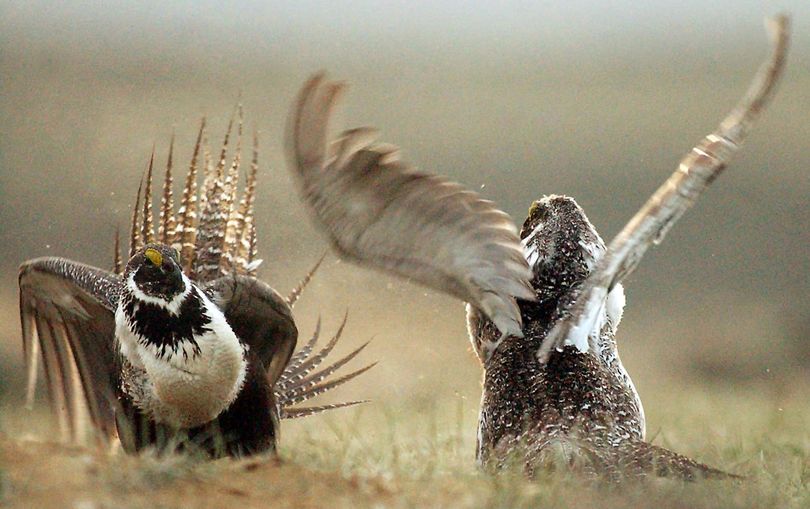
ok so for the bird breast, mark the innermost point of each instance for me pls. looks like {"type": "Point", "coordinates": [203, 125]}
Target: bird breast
{"type": "Point", "coordinates": [191, 382]}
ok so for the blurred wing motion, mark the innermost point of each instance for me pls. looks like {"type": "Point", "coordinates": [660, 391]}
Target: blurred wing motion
{"type": "Point", "coordinates": [67, 312]}
{"type": "Point", "coordinates": [379, 212]}
{"type": "Point", "coordinates": [650, 224]}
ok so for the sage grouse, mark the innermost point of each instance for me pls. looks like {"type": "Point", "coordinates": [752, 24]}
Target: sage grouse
{"type": "Point", "coordinates": [182, 348]}
{"type": "Point", "coordinates": [553, 379]}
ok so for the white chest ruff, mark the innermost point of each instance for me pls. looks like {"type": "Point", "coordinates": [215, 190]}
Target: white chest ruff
{"type": "Point", "coordinates": [181, 389]}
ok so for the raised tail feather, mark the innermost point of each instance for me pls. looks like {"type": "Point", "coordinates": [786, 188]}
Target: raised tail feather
{"type": "Point", "coordinates": [214, 228]}
{"type": "Point", "coordinates": [292, 298]}
{"type": "Point", "coordinates": [301, 382]}
{"type": "Point", "coordinates": [215, 232]}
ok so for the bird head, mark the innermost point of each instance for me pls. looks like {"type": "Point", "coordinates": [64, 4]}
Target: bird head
{"type": "Point", "coordinates": [155, 271]}
{"type": "Point", "coordinates": [559, 242]}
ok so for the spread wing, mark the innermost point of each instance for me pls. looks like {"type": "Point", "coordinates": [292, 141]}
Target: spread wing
{"type": "Point", "coordinates": [67, 313]}
{"type": "Point", "coordinates": [379, 212]}
{"type": "Point", "coordinates": [263, 320]}
{"type": "Point", "coordinates": [650, 224]}
{"type": "Point", "coordinates": [260, 317]}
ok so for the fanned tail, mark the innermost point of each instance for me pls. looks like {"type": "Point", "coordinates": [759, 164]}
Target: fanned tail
{"type": "Point", "coordinates": [301, 382]}
{"type": "Point", "coordinates": [214, 229]}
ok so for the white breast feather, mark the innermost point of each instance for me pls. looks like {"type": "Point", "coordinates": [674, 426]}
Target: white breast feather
{"type": "Point", "coordinates": [187, 390]}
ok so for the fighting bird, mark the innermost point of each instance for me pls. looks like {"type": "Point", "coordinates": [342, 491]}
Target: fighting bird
{"type": "Point", "coordinates": [183, 347]}
{"type": "Point", "coordinates": [553, 380]}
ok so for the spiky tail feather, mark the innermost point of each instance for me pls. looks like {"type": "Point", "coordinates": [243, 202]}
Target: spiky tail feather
{"type": "Point", "coordinates": [292, 298]}
{"type": "Point", "coordinates": [301, 382]}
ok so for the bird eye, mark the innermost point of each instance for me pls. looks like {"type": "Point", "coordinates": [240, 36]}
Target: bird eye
{"type": "Point", "coordinates": [153, 257]}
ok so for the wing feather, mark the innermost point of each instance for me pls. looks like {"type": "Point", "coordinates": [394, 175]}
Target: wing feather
{"type": "Point", "coordinates": [260, 317]}
{"type": "Point", "coordinates": [651, 223]}
{"type": "Point", "coordinates": [379, 212]}
{"type": "Point", "coordinates": [67, 314]}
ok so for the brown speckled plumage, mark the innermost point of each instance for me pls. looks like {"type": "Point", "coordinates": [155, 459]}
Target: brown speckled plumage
{"type": "Point", "coordinates": [562, 389]}
{"type": "Point", "coordinates": [562, 386]}
{"type": "Point", "coordinates": [582, 403]}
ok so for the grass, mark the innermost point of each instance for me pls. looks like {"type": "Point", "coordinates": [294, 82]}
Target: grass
{"type": "Point", "coordinates": [420, 454]}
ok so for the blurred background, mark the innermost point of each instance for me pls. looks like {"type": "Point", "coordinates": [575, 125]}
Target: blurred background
{"type": "Point", "coordinates": [597, 100]}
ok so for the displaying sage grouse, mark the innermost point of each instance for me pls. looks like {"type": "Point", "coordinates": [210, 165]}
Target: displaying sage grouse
{"type": "Point", "coordinates": [553, 379]}
{"type": "Point", "coordinates": [183, 347]}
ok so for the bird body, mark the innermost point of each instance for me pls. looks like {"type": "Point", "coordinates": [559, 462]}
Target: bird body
{"type": "Point", "coordinates": [543, 309]}
{"type": "Point", "coordinates": [183, 348]}
{"type": "Point", "coordinates": [186, 362]}
{"type": "Point", "coordinates": [563, 387]}
{"type": "Point", "coordinates": [579, 391]}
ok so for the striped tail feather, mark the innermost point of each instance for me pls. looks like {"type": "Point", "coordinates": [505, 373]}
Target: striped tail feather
{"type": "Point", "coordinates": [229, 203]}
{"type": "Point", "coordinates": [166, 220]}
{"type": "Point", "coordinates": [298, 358]}
{"type": "Point", "coordinates": [147, 226]}
{"type": "Point", "coordinates": [292, 298]}
{"type": "Point", "coordinates": [135, 240]}
{"type": "Point", "coordinates": [301, 382]}
{"type": "Point", "coordinates": [118, 264]}
{"type": "Point", "coordinates": [214, 229]}
{"type": "Point", "coordinates": [316, 378]}
{"type": "Point", "coordinates": [310, 392]}
{"type": "Point", "coordinates": [211, 228]}
{"type": "Point", "coordinates": [245, 249]}
{"type": "Point", "coordinates": [185, 232]}
{"type": "Point", "coordinates": [313, 361]}
{"type": "Point", "coordinates": [294, 413]}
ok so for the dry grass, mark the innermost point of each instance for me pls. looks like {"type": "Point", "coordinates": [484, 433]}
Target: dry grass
{"type": "Point", "coordinates": [420, 455]}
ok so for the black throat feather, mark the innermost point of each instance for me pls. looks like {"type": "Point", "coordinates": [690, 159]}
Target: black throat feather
{"type": "Point", "coordinates": [168, 332]}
